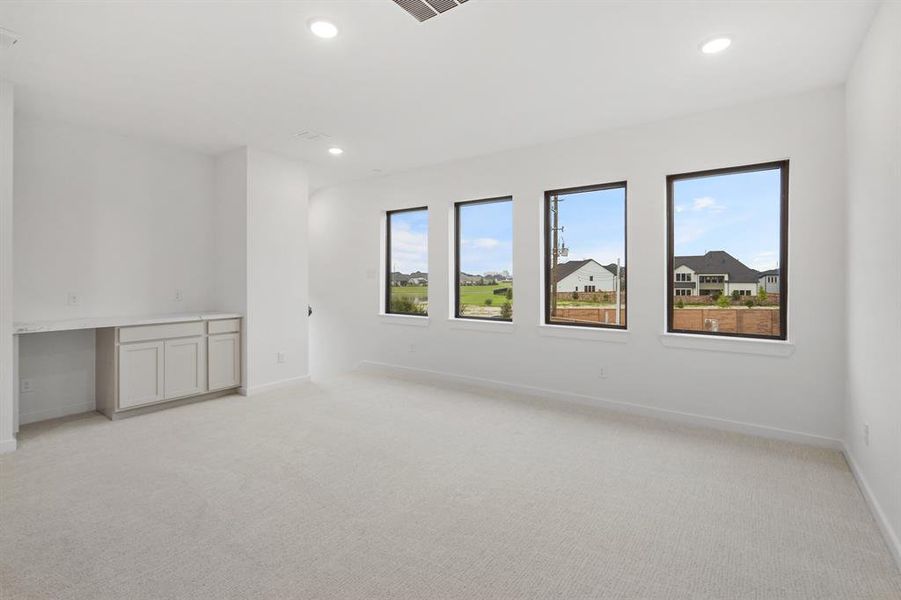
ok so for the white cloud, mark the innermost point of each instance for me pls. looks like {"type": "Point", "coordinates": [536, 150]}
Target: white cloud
{"type": "Point", "coordinates": [409, 250]}
{"type": "Point", "coordinates": [764, 261]}
{"type": "Point", "coordinates": [706, 203]}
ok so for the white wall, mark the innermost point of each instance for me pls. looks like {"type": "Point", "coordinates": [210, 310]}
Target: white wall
{"type": "Point", "coordinates": [60, 366]}
{"type": "Point", "coordinates": [121, 222]}
{"type": "Point", "coordinates": [7, 368]}
{"type": "Point", "coordinates": [873, 273]}
{"type": "Point", "coordinates": [277, 271]}
{"type": "Point", "coordinates": [805, 390]}
{"type": "Point", "coordinates": [230, 219]}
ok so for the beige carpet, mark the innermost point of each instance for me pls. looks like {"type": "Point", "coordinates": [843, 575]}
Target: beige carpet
{"type": "Point", "coordinates": [372, 487]}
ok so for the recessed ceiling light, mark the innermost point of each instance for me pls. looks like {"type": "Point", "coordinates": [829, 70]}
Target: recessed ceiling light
{"type": "Point", "coordinates": [716, 45]}
{"type": "Point", "coordinates": [322, 28]}
{"type": "Point", "coordinates": [335, 151]}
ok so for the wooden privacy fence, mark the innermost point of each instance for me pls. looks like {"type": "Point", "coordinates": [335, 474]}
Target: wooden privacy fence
{"type": "Point", "coordinates": [756, 321]}
{"type": "Point", "coordinates": [589, 315]}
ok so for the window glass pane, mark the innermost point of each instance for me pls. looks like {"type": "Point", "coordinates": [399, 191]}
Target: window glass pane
{"type": "Point", "coordinates": [586, 242]}
{"type": "Point", "coordinates": [485, 266]}
{"type": "Point", "coordinates": [408, 262]}
{"type": "Point", "coordinates": [727, 240]}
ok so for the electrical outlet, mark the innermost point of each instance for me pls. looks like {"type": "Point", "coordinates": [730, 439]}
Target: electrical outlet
{"type": "Point", "coordinates": [280, 357]}
{"type": "Point", "coordinates": [179, 295]}
{"type": "Point", "coordinates": [866, 434]}
{"type": "Point", "coordinates": [26, 385]}
{"type": "Point", "coordinates": [73, 299]}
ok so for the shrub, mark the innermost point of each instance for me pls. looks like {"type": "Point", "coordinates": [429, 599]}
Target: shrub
{"type": "Point", "coordinates": [716, 295]}
{"type": "Point", "coordinates": [724, 301]}
{"type": "Point", "coordinates": [680, 304]}
{"type": "Point", "coordinates": [575, 295]}
{"type": "Point", "coordinates": [509, 293]}
{"type": "Point", "coordinates": [736, 295]}
{"type": "Point", "coordinates": [749, 303]}
{"type": "Point", "coordinates": [761, 295]}
{"type": "Point", "coordinates": [506, 310]}
{"type": "Point", "coordinates": [488, 301]}
{"type": "Point", "coordinates": [406, 306]}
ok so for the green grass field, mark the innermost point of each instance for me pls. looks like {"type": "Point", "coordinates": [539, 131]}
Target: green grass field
{"type": "Point", "coordinates": [477, 294]}
{"type": "Point", "coordinates": [473, 296]}
{"type": "Point", "coordinates": [469, 294]}
{"type": "Point", "coordinates": [417, 292]}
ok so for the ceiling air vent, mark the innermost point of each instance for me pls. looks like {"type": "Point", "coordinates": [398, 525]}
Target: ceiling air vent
{"type": "Point", "coordinates": [311, 135]}
{"type": "Point", "coordinates": [426, 9]}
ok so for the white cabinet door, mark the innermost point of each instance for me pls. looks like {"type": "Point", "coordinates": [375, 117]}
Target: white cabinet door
{"type": "Point", "coordinates": [185, 370]}
{"type": "Point", "coordinates": [140, 374]}
{"type": "Point", "coordinates": [225, 360]}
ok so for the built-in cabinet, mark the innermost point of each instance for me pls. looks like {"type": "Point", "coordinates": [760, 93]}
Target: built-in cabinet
{"type": "Point", "coordinates": [147, 365]}
{"type": "Point", "coordinates": [141, 378]}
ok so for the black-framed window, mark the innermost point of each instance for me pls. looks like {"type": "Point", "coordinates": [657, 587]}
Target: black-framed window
{"type": "Point", "coordinates": [585, 240]}
{"type": "Point", "coordinates": [730, 226]}
{"type": "Point", "coordinates": [483, 258]}
{"type": "Point", "coordinates": [407, 262]}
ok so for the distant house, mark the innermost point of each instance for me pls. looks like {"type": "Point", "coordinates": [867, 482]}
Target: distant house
{"type": "Point", "coordinates": [399, 278]}
{"type": "Point", "coordinates": [585, 276]}
{"type": "Point", "coordinates": [414, 278]}
{"type": "Point", "coordinates": [418, 278]}
{"type": "Point", "coordinates": [468, 279]}
{"type": "Point", "coordinates": [769, 281]}
{"type": "Point", "coordinates": [714, 273]}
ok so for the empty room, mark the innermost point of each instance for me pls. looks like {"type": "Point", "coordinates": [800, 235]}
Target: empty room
{"type": "Point", "coordinates": [450, 299]}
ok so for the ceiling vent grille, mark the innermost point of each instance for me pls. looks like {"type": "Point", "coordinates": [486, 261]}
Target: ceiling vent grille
{"type": "Point", "coordinates": [423, 10]}
{"type": "Point", "coordinates": [311, 135]}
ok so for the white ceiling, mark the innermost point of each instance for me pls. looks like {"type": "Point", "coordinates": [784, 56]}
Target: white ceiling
{"type": "Point", "coordinates": [395, 93]}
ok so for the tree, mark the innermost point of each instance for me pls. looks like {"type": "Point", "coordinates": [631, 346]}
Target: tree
{"type": "Point", "coordinates": [724, 301]}
{"type": "Point", "coordinates": [506, 310]}
{"type": "Point", "coordinates": [761, 295]}
{"type": "Point", "coordinates": [736, 295]}
{"type": "Point", "coordinates": [510, 293]}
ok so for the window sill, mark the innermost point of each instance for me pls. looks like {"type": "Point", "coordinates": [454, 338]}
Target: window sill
{"type": "Point", "coordinates": [482, 325]}
{"type": "Point", "coordinates": [592, 334]}
{"type": "Point", "coordinates": [723, 344]}
{"type": "Point", "coordinates": [408, 320]}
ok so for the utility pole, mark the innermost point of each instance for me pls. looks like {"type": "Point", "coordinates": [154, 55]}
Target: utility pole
{"type": "Point", "coordinates": [618, 290]}
{"type": "Point", "coordinates": [556, 250]}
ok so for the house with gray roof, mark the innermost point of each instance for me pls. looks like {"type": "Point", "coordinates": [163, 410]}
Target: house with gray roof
{"type": "Point", "coordinates": [716, 272]}
{"type": "Point", "coordinates": [585, 276]}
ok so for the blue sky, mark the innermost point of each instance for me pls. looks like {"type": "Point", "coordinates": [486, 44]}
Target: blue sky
{"type": "Point", "coordinates": [594, 225]}
{"type": "Point", "coordinates": [410, 241]}
{"type": "Point", "coordinates": [486, 237]}
{"type": "Point", "coordinates": [738, 213]}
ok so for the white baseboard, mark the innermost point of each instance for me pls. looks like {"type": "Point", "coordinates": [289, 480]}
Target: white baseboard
{"type": "Point", "coordinates": [7, 446]}
{"type": "Point", "coordinates": [275, 385]}
{"type": "Point", "coordinates": [888, 533]}
{"type": "Point", "coordinates": [430, 376]}
{"type": "Point", "coordinates": [56, 412]}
